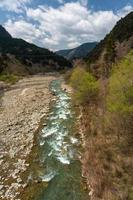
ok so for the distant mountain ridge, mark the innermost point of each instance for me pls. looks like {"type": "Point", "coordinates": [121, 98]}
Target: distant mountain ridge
{"type": "Point", "coordinates": [112, 48]}
{"type": "Point", "coordinates": [78, 52]}
{"type": "Point", "coordinates": [18, 56]}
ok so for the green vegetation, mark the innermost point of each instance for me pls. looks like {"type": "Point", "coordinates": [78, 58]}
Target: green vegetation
{"type": "Point", "coordinates": [85, 85]}
{"type": "Point", "coordinates": [120, 101]}
{"type": "Point", "coordinates": [120, 96]}
{"type": "Point", "coordinates": [9, 78]}
{"type": "Point", "coordinates": [119, 104]}
{"type": "Point", "coordinates": [107, 123]}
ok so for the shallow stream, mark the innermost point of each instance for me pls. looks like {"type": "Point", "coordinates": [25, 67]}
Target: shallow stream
{"type": "Point", "coordinates": [59, 168]}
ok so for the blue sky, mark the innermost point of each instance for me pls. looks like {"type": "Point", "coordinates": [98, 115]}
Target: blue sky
{"type": "Point", "coordinates": [59, 24]}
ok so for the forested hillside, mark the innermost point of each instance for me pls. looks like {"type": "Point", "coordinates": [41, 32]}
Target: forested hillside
{"type": "Point", "coordinates": [20, 57]}
{"type": "Point", "coordinates": [114, 46]}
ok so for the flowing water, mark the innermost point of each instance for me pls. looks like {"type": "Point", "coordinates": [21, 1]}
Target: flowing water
{"type": "Point", "coordinates": [58, 147]}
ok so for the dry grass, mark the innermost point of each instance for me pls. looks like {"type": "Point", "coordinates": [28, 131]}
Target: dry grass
{"type": "Point", "coordinates": [107, 157]}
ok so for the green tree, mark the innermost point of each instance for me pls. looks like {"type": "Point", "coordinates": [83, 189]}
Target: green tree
{"type": "Point", "coordinates": [85, 86]}
{"type": "Point", "coordinates": [120, 99]}
{"type": "Point", "coordinates": [120, 95]}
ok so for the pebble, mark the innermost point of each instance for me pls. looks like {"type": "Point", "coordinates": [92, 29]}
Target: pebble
{"type": "Point", "coordinates": [1, 187]}
{"type": "Point", "coordinates": [19, 118]}
{"type": "Point", "coordinates": [19, 180]}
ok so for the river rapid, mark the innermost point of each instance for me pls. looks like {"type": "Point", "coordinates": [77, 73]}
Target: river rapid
{"type": "Point", "coordinates": [58, 168]}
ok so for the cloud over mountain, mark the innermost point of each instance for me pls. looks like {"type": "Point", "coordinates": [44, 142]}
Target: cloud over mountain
{"type": "Point", "coordinates": [66, 26]}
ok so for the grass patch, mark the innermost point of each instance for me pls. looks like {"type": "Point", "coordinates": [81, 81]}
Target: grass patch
{"type": "Point", "coordinates": [9, 78]}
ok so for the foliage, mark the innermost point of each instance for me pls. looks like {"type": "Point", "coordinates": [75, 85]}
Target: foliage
{"type": "Point", "coordinates": [108, 135]}
{"type": "Point", "coordinates": [85, 85]}
{"type": "Point", "coordinates": [9, 78]}
{"type": "Point", "coordinates": [120, 96]}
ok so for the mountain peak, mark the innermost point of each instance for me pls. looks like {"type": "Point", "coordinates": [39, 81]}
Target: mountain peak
{"type": "Point", "coordinates": [4, 33]}
{"type": "Point", "coordinates": [78, 52]}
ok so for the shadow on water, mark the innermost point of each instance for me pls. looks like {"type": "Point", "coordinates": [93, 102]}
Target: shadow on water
{"type": "Point", "coordinates": [57, 167]}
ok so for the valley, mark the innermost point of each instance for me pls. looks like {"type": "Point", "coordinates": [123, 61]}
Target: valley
{"type": "Point", "coordinates": [66, 117]}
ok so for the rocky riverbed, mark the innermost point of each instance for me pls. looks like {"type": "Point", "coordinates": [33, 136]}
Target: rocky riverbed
{"type": "Point", "coordinates": [21, 109]}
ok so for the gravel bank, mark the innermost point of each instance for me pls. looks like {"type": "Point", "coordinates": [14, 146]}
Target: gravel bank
{"type": "Point", "coordinates": [21, 110]}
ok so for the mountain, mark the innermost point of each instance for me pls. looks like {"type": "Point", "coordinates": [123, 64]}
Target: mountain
{"type": "Point", "coordinates": [20, 57]}
{"type": "Point", "coordinates": [114, 47]}
{"type": "Point", "coordinates": [79, 52]}
{"type": "Point", "coordinates": [4, 33]}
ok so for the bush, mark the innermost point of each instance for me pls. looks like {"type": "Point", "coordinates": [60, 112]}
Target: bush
{"type": "Point", "coordinates": [120, 102]}
{"type": "Point", "coordinates": [86, 87]}
{"type": "Point", "coordinates": [120, 96]}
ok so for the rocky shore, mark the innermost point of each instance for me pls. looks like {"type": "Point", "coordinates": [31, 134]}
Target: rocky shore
{"type": "Point", "coordinates": [21, 109]}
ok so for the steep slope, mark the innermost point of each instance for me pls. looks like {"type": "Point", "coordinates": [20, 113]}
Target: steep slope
{"type": "Point", "coordinates": [19, 56]}
{"type": "Point", "coordinates": [4, 33]}
{"type": "Point", "coordinates": [114, 46]}
{"type": "Point", "coordinates": [79, 52]}
{"type": "Point", "coordinates": [106, 114]}
{"type": "Point", "coordinates": [105, 126]}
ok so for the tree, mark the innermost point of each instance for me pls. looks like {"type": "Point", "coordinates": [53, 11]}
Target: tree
{"type": "Point", "coordinates": [86, 87]}
{"type": "Point", "coordinates": [120, 96]}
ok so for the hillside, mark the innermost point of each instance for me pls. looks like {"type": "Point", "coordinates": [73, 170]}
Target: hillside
{"type": "Point", "coordinates": [79, 52]}
{"type": "Point", "coordinates": [104, 95]}
{"type": "Point", "coordinates": [105, 126]}
{"type": "Point", "coordinates": [4, 34]}
{"type": "Point", "coordinates": [114, 46]}
{"type": "Point", "coordinates": [19, 56]}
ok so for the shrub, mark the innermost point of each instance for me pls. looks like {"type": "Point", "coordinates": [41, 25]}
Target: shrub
{"type": "Point", "coordinates": [120, 102]}
{"type": "Point", "coordinates": [120, 96]}
{"type": "Point", "coordinates": [85, 85]}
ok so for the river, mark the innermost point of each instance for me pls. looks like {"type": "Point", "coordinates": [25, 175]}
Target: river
{"type": "Point", "coordinates": [58, 166]}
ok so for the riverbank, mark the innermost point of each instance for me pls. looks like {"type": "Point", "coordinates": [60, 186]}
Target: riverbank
{"type": "Point", "coordinates": [22, 108]}
{"type": "Point", "coordinates": [106, 160]}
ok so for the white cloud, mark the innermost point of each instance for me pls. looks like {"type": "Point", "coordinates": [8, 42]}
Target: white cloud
{"type": "Point", "coordinates": [23, 29]}
{"type": "Point", "coordinates": [124, 11]}
{"type": "Point", "coordinates": [66, 26]}
{"type": "Point", "coordinates": [13, 5]}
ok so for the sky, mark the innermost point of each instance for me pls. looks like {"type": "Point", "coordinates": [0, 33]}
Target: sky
{"type": "Point", "coordinates": [61, 24]}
